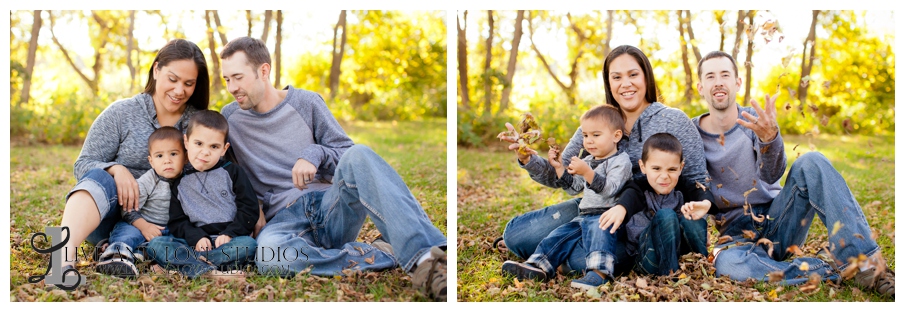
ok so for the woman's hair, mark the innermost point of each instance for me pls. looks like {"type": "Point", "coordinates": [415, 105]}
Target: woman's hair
{"type": "Point", "coordinates": [650, 94]}
{"type": "Point", "coordinates": [181, 49]}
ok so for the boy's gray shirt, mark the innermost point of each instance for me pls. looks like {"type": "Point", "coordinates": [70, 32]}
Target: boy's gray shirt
{"type": "Point", "coordinates": [119, 136]}
{"type": "Point", "coordinates": [268, 145]}
{"type": "Point", "coordinates": [741, 163]}
{"type": "Point", "coordinates": [153, 200]}
{"type": "Point", "coordinates": [610, 174]}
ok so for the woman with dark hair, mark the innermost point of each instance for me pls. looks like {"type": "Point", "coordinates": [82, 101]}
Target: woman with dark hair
{"type": "Point", "coordinates": [115, 152]}
{"type": "Point", "coordinates": [630, 86]}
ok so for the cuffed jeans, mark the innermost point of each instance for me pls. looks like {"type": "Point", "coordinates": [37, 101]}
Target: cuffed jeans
{"type": "Point", "coordinates": [605, 249]}
{"type": "Point", "coordinates": [175, 253]}
{"type": "Point", "coordinates": [323, 226]}
{"type": "Point", "coordinates": [525, 232]}
{"type": "Point", "coordinates": [666, 237]}
{"type": "Point", "coordinates": [813, 187]}
{"type": "Point", "coordinates": [101, 186]}
{"type": "Point", "coordinates": [127, 239]}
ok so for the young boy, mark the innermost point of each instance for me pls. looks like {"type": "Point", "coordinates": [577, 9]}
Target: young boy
{"type": "Point", "coordinates": [166, 153]}
{"type": "Point", "coordinates": [602, 127]}
{"type": "Point", "coordinates": [657, 235]}
{"type": "Point", "coordinates": [213, 208]}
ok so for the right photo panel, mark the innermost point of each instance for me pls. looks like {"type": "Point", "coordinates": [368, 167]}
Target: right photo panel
{"type": "Point", "coordinates": [684, 155]}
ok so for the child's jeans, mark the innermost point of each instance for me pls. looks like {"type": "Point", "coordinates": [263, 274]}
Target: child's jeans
{"type": "Point", "coordinates": [666, 237]}
{"type": "Point", "coordinates": [605, 250]}
{"type": "Point", "coordinates": [127, 239]}
{"type": "Point", "coordinates": [175, 253]}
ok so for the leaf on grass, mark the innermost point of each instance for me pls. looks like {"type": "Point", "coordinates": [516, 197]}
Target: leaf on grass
{"type": "Point", "coordinates": [641, 282]}
{"type": "Point", "coordinates": [518, 284]}
{"type": "Point", "coordinates": [836, 226]}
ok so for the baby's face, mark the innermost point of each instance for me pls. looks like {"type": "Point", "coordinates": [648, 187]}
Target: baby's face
{"type": "Point", "coordinates": [662, 170]}
{"type": "Point", "coordinates": [205, 147]}
{"type": "Point", "coordinates": [167, 157]}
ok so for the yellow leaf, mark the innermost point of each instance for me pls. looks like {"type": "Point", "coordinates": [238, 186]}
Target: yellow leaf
{"type": "Point", "coordinates": [804, 266]}
{"type": "Point", "coordinates": [836, 227]}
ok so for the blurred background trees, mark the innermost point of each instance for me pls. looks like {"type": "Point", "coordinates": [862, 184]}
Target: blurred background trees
{"type": "Point", "coordinates": [67, 66]}
{"type": "Point", "coordinates": [835, 70]}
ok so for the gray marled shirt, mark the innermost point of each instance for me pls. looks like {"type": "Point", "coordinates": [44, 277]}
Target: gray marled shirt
{"type": "Point", "coordinates": [153, 200]}
{"type": "Point", "coordinates": [119, 136]}
{"type": "Point", "coordinates": [610, 174]}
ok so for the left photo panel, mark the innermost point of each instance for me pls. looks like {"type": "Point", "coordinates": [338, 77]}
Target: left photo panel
{"type": "Point", "coordinates": [228, 155]}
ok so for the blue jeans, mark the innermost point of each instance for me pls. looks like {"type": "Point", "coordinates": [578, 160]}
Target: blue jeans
{"type": "Point", "coordinates": [524, 232]}
{"type": "Point", "coordinates": [127, 238]}
{"type": "Point", "coordinates": [605, 249]}
{"type": "Point", "coordinates": [101, 186]}
{"type": "Point", "coordinates": [813, 187]}
{"type": "Point", "coordinates": [666, 237]}
{"type": "Point", "coordinates": [322, 226]}
{"type": "Point", "coordinates": [175, 253]}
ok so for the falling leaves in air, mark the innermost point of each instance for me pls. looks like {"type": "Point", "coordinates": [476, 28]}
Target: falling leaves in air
{"type": "Point", "coordinates": [847, 125]}
{"type": "Point", "coordinates": [719, 186]}
{"type": "Point", "coordinates": [826, 85]}
{"type": "Point", "coordinates": [700, 186]}
{"type": "Point", "coordinates": [768, 243]}
{"type": "Point", "coordinates": [792, 92]}
{"type": "Point", "coordinates": [795, 250]}
{"type": "Point", "coordinates": [824, 120]}
{"type": "Point", "coordinates": [788, 106]}
{"type": "Point", "coordinates": [805, 81]}
{"type": "Point", "coordinates": [722, 140]}
{"type": "Point", "coordinates": [836, 227]}
{"type": "Point", "coordinates": [813, 108]}
{"type": "Point", "coordinates": [749, 234]}
{"type": "Point", "coordinates": [726, 202]}
{"type": "Point", "coordinates": [796, 146]}
{"type": "Point", "coordinates": [776, 276]}
{"type": "Point", "coordinates": [723, 239]}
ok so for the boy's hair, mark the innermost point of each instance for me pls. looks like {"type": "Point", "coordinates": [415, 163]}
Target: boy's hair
{"type": "Point", "coordinates": [165, 133]}
{"type": "Point", "coordinates": [255, 50]}
{"type": "Point", "coordinates": [612, 116]}
{"type": "Point", "coordinates": [209, 119]}
{"type": "Point", "coordinates": [662, 142]}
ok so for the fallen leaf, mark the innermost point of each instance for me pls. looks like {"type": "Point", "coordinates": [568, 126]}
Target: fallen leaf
{"type": "Point", "coordinates": [804, 266]}
{"type": "Point", "coordinates": [768, 243]}
{"type": "Point", "coordinates": [776, 276]}
{"type": "Point", "coordinates": [757, 218]}
{"type": "Point", "coordinates": [641, 283]}
{"type": "Point", "coordinates": [370, 260]}
{"type": "Point", "coordinates": [749, 234]}
{"type": "Point", "coordinates": [795, 250]}
{"type": "Point", "coordinates": [724, 239]}
{"type": "Point", "coordinates": [836, 226]}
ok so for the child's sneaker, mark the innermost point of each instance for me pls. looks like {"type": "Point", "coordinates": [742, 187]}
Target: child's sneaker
{"type": "Point", "coordinates": [883, 282]}
{"type": "Point", "coordinates": [121, 267]}
{"type": "Point", "coordinates": [524, 271]}
{"type": "Point", "coordinates": [430, 275]}
{"type": "Point", "coordinates": [590, 280]}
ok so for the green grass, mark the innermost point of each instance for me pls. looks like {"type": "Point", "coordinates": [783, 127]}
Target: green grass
{"type": "Point", "coordinates": [492, 190]}
{"type": "Point", "coordinates": [41, 176]}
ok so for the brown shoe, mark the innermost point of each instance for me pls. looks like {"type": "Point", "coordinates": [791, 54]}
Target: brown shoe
{"type": "Point", "coordinates": [881, 280]}
{"type": "Point", "coordinates": [430, 276]}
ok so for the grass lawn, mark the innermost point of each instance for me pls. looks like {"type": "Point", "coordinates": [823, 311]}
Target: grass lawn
{"type": "Point", "coordinates": [41, 175]}
{"type": "Point", "coordinates": [492, 190]}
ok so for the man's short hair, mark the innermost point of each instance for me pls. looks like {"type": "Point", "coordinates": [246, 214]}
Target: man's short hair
{"type": "Point", "coordinates": [165, 133]}
{"type": "Point", "coordinates": [209, 119]}
{"type": "Point", "coordinates": [256, 53]}
{"type": "Point", "coordinates": [717, 54]}
{"type": "Point", "coordinates": [612, 116]}
{"type": "Point", "coordinates": [664, 142]}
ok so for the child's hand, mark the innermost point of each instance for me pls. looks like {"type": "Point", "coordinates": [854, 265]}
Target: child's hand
{"type": "Point", "coordinates": [148, 229]}
{"type": "Point", "coordinates": [612, 217]}
{"type": "Point", "coordinates": [578, 166]}
{"type": "Point", "coordinates": [696, 210]}
{"type": "Point", "coordinates": [203, 244]}
{"type": "Point", "coordinates": [222, 239]}
{"type": "Point", "coordinates": [553, 158]}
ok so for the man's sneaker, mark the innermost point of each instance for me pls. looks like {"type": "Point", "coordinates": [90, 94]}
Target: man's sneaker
{"type": "Point", "coordinates": [524, 271]}
{"type": "Point", "coordinates": [430, 275]}
{"type": "Point", "coordinates": [118, 266]}
{"type": "Point", "coordinates": [882, 282]}
{"type": "Point", "coordinates": [589, 281]}
{"type": "Point", "coordinates": [382, 245]}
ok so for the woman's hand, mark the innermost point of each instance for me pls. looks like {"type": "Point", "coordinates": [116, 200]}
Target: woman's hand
{"type": "Point", "coordinates": [126, 187]}
{"type": "Point", "coordinates": [148, 229]}
{"type": "Point", "coordinates": [612, 217]}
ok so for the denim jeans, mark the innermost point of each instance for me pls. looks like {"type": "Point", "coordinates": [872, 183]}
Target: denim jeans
{"type": "Point", "coordinates": [127, 238]}
{"type": "Point", "coordinates": [605, 249]}
{"type": "Point", "coordinates": [175, 253]}
{"type": "Point", "coordinates": [525, 232]}
{"type": "Point", "coordinates": [101, 186]}
{"type": "Point", "coordinates": [323, 226]}
{"type": "Point", "coordinates": [666, 237]}
{"type": "Point", "coordinates": [812, 187]}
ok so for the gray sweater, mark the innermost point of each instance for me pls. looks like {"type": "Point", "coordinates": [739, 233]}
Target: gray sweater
{"type": "Point", "coordinates": [119, 136]}
{"type": "Point", "coordinates": [268, 145]}
{"type": "Point", "coordinates": [610, 174]}
{"type": "Point", "coordinates": [656, 118]}
{"type": "Point", "coordinates": [741, 163]}
{"type": "Point", "coordinates": [153, 200]}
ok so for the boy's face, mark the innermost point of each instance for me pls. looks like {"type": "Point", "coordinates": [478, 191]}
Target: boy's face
{"type": "Point", "coordinates": [599, 140]}
{"type": "Point", "coordinates": [167, 157]}
{"type": "Point", "coordinates": [205, 147]}
{"type": "Point", "coordinates": [662, 170]}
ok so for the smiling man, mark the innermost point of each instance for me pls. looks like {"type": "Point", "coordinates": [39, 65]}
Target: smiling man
{"type": "Point", "coordinates": [316, 187]}
{"type": "Point", "coordinates": [746, 159]}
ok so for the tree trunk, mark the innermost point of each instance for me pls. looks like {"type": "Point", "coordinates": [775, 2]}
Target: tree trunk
{"type": "Point", "coordinates": [806, 62]}
{"type": "Point", "coordinates": [339, 49]}
{"type": "Point", "coordinates": [462, 57]}
{"type": "Point", "coordinates": [748, 64]}
{"type": "Point", "coordinates": [32, 53]}
{"type": "Point", "coordinates": [223, 40]}
{"type": "Point", "coordinates": [740, 24]}
{"type": "Point", "coordinates": [129, 47]}
{"type": "Point", "coordinates": [609, 32]}
{"type": "Point", "coordinates": [92, 83]}
{"type": "Point", "coordinates": [691, 41]}
{"type": "Point", "coordinates": [570, 89]}
{"type": "Point", "coordinates": [720, 19]}
{"type": "Point", "coordinates": [488, 83]}
{"type": "Point", "coordinates": [248, 18]}
{"type": "Point", "coordinates": [513, 57]}
{"type": "Point", "coordinates": [277, 51]}
{"type": "Point", "coordinates": [216, 82]}
{"type": "Point", "coordinates": [268, 15]}
{"type": "Point", "coordinates": [689, 90]}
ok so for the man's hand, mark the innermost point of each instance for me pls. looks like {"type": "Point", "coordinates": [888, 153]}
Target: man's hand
{"type": "Point", "coordinates": [303, 173]}
{"type": "Point", "coordinates": [612, 217]}
{"type": "Point", "coordinates": [203, 244]}
{"type": "Point", "coordinates": [696, 210]}
{"type": "Point", "coordinates": [764, 125]}
{"type": "Point", "coordinates": [148, 229]}
{"type": "Point", "coordinates": [262, 221]}
{"type": "Point", "coordinates": [126, 187]}
{"type": "Point", "coordinates": [222, 239]}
